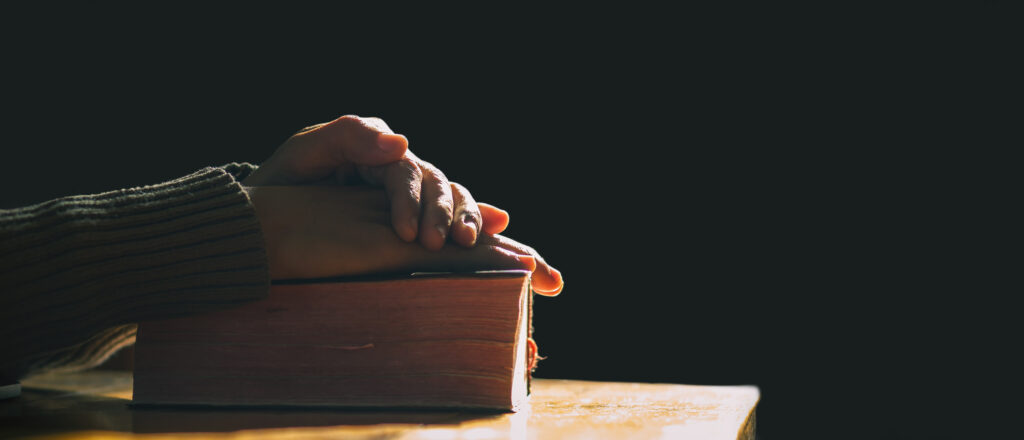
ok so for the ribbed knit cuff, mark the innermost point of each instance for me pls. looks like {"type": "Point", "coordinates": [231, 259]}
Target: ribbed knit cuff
{"type": "Point", "coordinates": [72, 267]}
{"type": "Point", "coordinates": [239, 170]}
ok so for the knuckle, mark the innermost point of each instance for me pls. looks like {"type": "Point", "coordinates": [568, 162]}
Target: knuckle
{"type": "Point", "coordinates": [445, 204]}
{"type": "Point", "coordinates": [349, 119]}
{"type": "Point", "coordinates": [410, 197]}
{"type": "Point", "coordinates": [348, 122]}
{"type": "Point", "coordinates": [375, 123]}
{"type": "Point", "coordinates": [410, 165]}
{"type": "Point", "coordinates": [407, 194]}
{"type": "Point", "coordinates": [465, 199]}
{"type": "Point", "coordinates": [406, 167]}
{"type": "Point", "coordinates": [433, 171]}
{"type": "Point", "coordinates": [457, 187]}
{"type": "Point", "coordinates": [443, 209]}
{"type": "Point", "coordinates": [472, 217]}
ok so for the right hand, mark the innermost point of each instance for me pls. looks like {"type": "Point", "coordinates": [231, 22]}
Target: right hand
{"type": "Point", "coordinates": [326, 231]}
{"type": "Point", "coordinates": [425, 205]}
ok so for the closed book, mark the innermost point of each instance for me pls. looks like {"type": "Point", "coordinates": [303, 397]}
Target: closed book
{"type": "Point", "coordinates": [421, 341]}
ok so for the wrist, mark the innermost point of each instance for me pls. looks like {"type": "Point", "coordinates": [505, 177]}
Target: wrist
{"type": "Point", "coordinates": [267, 212]}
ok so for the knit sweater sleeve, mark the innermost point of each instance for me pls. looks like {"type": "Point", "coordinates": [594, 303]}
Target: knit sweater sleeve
{"type": "Point", "coordinates": [77, 272]}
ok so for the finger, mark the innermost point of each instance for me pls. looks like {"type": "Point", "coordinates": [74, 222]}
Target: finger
{"type": "Point", "coordinates": [460, 259]}
{"type": "Point", "coordinates": [495, 219]}
{"type": "Point", "coordinates": [467, 219]}
{"type": "Point", "coordinates": [388, 136]}
{"type": "Point", "coordinates": [403, 182]}
{"type": "Point", "coordinates": [437, 204]}
{"type": "Point", "coordinates": [546, 279]}
{"type": "Point", "coordinates": [378, 124]}
{"type": "Point", "coordinates": [348, 139]}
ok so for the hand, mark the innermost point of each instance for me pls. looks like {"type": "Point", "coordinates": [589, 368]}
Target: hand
{"type": "Point", "coordinates": [424, 203]}
{"type": "Point", "coordinates": [324, 231]}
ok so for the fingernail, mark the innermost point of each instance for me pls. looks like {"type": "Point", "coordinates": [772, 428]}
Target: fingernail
{"type": "Point", "coordinates": [390, 142]}
{"type": "Point", "coordinates": [442, 230]}
{"type": "Point", "coordinates": [529, 261]}
{"type": "Point", "coordinates": [557, 276]}
{"type": "Point", "coordinates": [559, 283]}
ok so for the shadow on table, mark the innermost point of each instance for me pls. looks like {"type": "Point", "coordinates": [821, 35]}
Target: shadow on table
{"type": "Point", "coordinates": [42, 411]}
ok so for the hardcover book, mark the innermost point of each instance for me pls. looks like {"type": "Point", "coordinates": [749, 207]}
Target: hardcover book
{"type": "Point", "coordinates": [420, 341]}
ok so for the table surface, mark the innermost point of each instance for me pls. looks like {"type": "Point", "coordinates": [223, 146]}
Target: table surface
{"type": "Point", "coordinates": [95, 404]}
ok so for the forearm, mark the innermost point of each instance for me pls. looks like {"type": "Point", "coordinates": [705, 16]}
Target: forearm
{"type": "Point", "coordinates": [75, 267]}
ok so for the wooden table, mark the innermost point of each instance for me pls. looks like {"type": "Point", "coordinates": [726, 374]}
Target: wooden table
{"type": "Point", "coordinates": [94, 404]}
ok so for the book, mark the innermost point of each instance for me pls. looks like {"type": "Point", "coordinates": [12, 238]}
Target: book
{"type": "Point", "coordinates": [420, 341]}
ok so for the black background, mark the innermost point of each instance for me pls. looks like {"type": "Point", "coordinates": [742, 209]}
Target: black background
{"type": "Point", "coordinates": [736, 203]}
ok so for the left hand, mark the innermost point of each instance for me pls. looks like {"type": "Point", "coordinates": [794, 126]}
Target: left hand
{"type": "Point", "coordinates": [424, 204]}
{"type": "Point", "coordinates": [322, 231]}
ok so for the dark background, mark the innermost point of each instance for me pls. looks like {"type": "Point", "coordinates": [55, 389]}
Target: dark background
{"type": "Point", "coordinates": [740, 203]}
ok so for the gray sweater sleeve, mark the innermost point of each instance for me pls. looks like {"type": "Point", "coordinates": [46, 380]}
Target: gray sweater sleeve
{"type": "Point", "coordinates": [77, 272]}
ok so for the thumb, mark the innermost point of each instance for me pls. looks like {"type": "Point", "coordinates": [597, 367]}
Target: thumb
{"type": "Point", "coordinates": [350, 139]}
